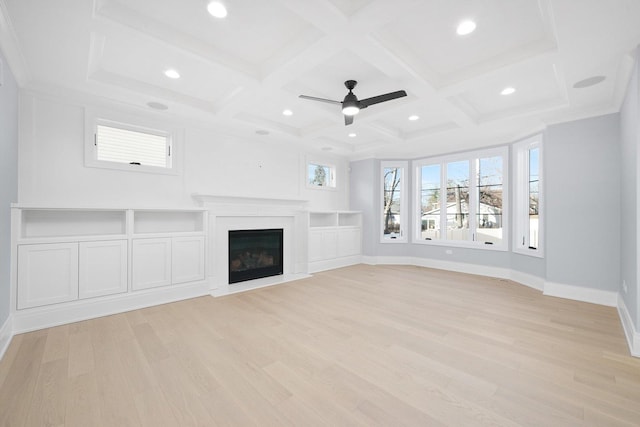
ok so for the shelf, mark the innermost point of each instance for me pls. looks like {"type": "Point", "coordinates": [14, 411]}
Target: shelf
{"type": "Point", "coordinates": [322, 219]}
{"type": "Point", "coordinates": [349, 219]}
{"type": "Point", "coordinates": [43, 223]}
{"type": "Point", "coordinates": [153, 222]}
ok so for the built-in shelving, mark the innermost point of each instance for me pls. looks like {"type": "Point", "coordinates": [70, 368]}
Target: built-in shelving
{"type": "Point", "coordinates": [334, 239]}
{"type": "Point", "coordinates": [71, 258]}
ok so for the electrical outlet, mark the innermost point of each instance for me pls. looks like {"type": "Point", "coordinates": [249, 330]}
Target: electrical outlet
{"type": "Point", "coordinates": [448, 252]}
{"type": "Point", "coordinates": [624, 286]}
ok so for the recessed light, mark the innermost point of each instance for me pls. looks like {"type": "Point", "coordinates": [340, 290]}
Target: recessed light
{"type": "Point", "coordinates": [507, 91]}
{"type": "Point", "coordinates": [262, 132]}
{"type": "Point", "coordinates": [157, 105]}
{"type": "Point", "coordinates": [591, 81]}
{"type": "Point", "coordinates": [172, 74]}
{"type": "Point", "coordinates": [327, 148]}
{"type": "Point", "coordinates": [287, 112]}
{"type": "Point", "coordinates": [353, 135]}
{"type": "Point", "coordinates": [217, 9]}
{"type": "Point", "coordinates": [466, 27]}
{"type": "Point", "coordinates": [413, 118]}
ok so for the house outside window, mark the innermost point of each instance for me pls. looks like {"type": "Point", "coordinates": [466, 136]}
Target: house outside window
{"type": "Point", "coordinates": [461, 200]}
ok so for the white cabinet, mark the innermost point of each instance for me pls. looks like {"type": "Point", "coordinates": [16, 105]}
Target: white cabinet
{"type": "Point", "coordinates": [71, 254]}
{"type": "Point", "coordinates": [187, 259]}
{"type": "Point", "coordinates": [323, 244]}
{"type": "Point", "coordinates": [60, 272]}
{"type": "Point", "coordinates": [349, 241]}
{"type": "Point", "coordinates": [168, 260]}
{"type": "Point", "coordinates": [47, 274]}
{"type": "Point", "coordinates": [334, 239]}
{"type": "Point", "coordinates": [151, 263]}
{"type": "Point", "coordinates": [102, 268]}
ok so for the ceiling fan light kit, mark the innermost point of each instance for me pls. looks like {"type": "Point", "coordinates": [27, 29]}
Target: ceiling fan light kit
{"type": "Point", "coordinates": [351, 105]}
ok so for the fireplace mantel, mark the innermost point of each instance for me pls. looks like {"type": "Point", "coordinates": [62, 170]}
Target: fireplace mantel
{"type": "Point", "coordinates": [233, 205]}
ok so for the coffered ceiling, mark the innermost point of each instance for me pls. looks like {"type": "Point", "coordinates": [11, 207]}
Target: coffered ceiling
{"type": "Point", "coordinates": [239, 73]}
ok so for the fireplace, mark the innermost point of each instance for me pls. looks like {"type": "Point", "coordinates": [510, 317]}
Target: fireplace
{"type": "Point", "coordinates": [254, 254]}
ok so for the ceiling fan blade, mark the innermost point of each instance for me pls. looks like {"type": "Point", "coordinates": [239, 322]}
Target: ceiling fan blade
{"type": "Point", "coordinates": [364, 103]}
{"type": "Point", "coordinates": [348, 120]}
{"type": "Point", "coordinates": [313, 98]}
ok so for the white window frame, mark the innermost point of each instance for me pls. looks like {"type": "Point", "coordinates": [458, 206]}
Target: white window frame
{"type": "Point", "coordinates": [333, 178]}
{"type": "Point", "coordinates": [404, 201]}
{"type": "Point", "coordinates": [94, 118]}
{"type": "Point", "coordinates": [521, 242]}
{"type": "Point", "coordinates": [472, 157]}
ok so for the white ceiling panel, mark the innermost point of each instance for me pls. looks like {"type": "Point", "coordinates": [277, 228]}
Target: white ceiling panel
{"type": "Point", "coordinates": [239, 73]}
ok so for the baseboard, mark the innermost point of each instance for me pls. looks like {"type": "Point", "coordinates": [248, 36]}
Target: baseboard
{"type": "Point", "coordinates": [317, 266]}
{"type": "Point", "coordinates": [633, 336]}
{"type": "Point", "coordinates": [595, 296]}
{"type": "Point", "coordinates": [6, 334]}
{"type": "Point", "coordinates": [577, 293]}
{"type": "Point", "coordinates": [60, 314]}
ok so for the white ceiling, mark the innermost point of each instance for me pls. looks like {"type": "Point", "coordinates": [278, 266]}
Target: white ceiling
{"type": "Point", "coordinates": [239, 73]}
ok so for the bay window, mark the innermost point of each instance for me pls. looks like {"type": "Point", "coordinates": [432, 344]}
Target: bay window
{"type": "Point", "coordinates": [461, 200]}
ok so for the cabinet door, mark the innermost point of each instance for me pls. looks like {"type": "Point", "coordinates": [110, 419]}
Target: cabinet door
{"type": "Point", "coordinates": [349, 242]}
{"type": "Point", "coordinates": [103, 268]}
{"type": "Point", "coordinates": [47, 274]}
{"type": "Point", "coordinates": [187, 259]}
{"type": "Point", "coordinates": [151, 263]}
{"type": "Point", "coordinates": [322, 245]}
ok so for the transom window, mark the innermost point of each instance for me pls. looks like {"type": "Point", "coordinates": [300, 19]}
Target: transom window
{"type": "Point", "coordinates": [321, 176]}
{"type": "Point", "coordinates": [128, 143]}
{"type": "Point", "coordinates": [116, 143]}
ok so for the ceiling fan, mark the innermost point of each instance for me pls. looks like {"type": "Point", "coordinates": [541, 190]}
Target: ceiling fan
{"type": "Point", "coordinates": [352, 106]}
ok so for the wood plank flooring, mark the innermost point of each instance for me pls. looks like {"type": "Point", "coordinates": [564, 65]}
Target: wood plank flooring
{"type": "Point", "coordinates": [358, 346]}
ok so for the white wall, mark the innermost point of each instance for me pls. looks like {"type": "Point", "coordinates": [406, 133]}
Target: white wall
{"type": "Point", "coordinates": [8, 177]}
{"type": "Point", "coordinates": [52, 171]}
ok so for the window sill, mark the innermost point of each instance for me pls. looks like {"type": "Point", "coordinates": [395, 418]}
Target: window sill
{"type": "Point", "coordinates": [528, 252]}
{"type": "Point", "coordinates": [462, 244]}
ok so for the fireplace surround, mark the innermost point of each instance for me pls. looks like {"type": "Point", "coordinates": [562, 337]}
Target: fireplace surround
{"type": "Point", "coordinates": [229, 213]}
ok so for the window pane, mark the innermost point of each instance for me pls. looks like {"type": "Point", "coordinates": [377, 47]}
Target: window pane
{"type": "Point", "coordinates": [126, 146]}
{"type": "Point", "coordinates": [391, 208]}
{"type": "Point", "coordinates": [430, 202]}
{"type": "Point", "coordinates": [458, 200]}
{"type": "Point", "coordinates": [320, 175]}
{"type": "Point", "coordinates": [534, 196]}
{"type": "Point", "coordinates": [489, 208]}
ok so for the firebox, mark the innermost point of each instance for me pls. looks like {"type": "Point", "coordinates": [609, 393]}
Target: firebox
{"type": "Point", "coordinates": [254, 254]}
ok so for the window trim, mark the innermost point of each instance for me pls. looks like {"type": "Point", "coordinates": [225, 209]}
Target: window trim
{"type": "Point", "coordinates": [93, 118]}
{"type": "Point", "coordinates": [521, 151]}
{"type": "Point", "coordinates": [404, 204]}
{"type": "Point", "coordinates": [472, 157]}
{"type": "Point", "coordinates": [334, 171]}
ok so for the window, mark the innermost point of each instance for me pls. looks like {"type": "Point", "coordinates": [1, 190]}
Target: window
{"type": "Point", "coordinates": [462, 200]}
{"type": "Point", "coordinates": [113, 142]}
{"type": "Point", "coordinates": [116, 144]}
{"type": "Point", "coordinates": [394, 210]}
{"type": "Point", "coordinates": [528, 216]}
{"type": "Point", "coordinates": [321, 176]}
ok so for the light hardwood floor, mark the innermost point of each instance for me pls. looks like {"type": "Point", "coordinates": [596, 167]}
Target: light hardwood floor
{"type": "Point", "coordinates": [363, 345]}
